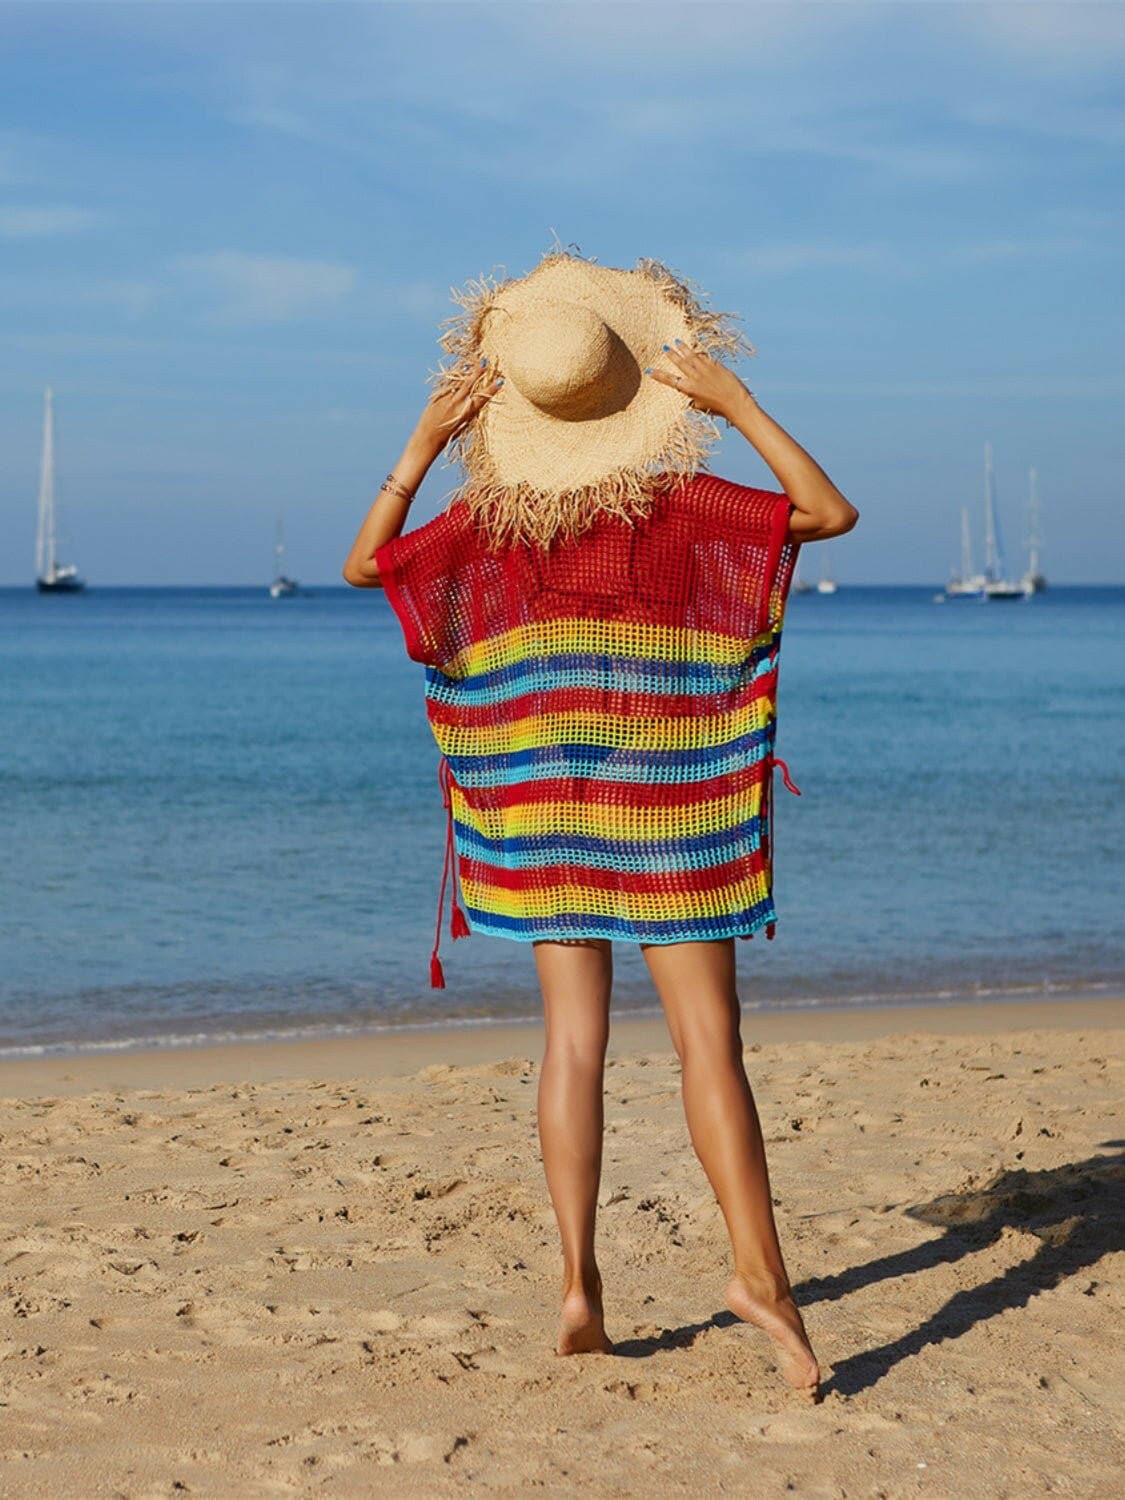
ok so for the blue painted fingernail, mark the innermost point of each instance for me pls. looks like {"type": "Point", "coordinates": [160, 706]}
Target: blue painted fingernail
{"type": "Point", "coordinates": [678, 341]}
{"type": "Point", "coordinates": [649, 370]}
{"type": "Point", "coordinates": [667, 346]}
{"type": "Point", "coordinates": [484, 359]}
{"type": "Point", "coordinates": [500, 381]}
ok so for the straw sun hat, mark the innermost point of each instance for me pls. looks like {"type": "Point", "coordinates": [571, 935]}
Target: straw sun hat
{"type": "Point", "coordinates": [577, 430]}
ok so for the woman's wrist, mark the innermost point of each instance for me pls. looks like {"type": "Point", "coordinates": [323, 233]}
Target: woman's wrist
{"type": "Point", "coordinates": [413, 466]}
{"type": "Point", "coordinates": [743, 410]}
{"type": "Point", "coordinates": [423, 446]}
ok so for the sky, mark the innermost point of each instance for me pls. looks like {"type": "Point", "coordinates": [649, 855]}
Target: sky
{"type": "Point", "coordinates": [229, 235]}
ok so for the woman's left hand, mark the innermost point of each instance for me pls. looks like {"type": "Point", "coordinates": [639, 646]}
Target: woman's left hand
{"type": "Point", "coordinates": [453, 407]}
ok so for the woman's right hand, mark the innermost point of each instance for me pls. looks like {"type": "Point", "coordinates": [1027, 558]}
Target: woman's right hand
{"type": "Point", "coordinates": [710, 385]}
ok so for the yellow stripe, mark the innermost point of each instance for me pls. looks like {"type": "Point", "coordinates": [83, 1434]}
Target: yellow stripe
{"type": "Point", "coordinates": [627, 906]}
{"type": "Point", "coordinates": [626, 638]}
{"type": "Point", "coordinates": [661, 821]}
{"type": "Point", "coordinates": [615, 731]}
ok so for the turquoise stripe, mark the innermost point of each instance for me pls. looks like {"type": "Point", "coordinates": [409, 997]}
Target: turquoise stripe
{"type": "Point", "coordinates": [545, 674]}
{"type": "Point", "coordinates": [607, 763]}
{"type": "Point", "coordinates": [543, 851]}
{"type": "Point", "coordinates": [587, 925]}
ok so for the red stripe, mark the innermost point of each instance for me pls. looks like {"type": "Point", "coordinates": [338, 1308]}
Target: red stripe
{"type": "Point", "coordinates": [570, 700]}
{"type": "Point", "coordinates": [673, 882]}
{"type": "Point", "coordinates": [621, 794]}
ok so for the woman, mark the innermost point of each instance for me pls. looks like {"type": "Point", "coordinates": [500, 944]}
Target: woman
{"type": "Point", "coordinates": [586, 526]}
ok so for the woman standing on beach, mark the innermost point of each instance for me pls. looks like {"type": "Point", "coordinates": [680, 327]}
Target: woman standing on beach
{"type": "Point", "coordinates": [600, 620]}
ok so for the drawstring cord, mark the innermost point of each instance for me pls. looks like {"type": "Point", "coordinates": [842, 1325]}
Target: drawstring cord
{"type": "Point", "coordinates": [772, 761]}
{"type": "Point", "coordinates": [458, 924]}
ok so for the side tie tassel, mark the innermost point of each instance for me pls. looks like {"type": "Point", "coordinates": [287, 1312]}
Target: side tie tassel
{"type": "Point", "coordinates": [458, 923]}
{"type": "Point", "coordinates": [772, 761]}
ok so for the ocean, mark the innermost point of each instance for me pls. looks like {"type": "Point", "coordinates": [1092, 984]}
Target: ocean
{"type": "Point", "coordinates": [221, 817]}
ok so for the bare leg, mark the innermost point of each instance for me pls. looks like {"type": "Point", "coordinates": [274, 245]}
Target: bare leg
{"type": "Point", "coordinates": [576, 978]}
{"type": "Point", "coordinates": [696, 985]}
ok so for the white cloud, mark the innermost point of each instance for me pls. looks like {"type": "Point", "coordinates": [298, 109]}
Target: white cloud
{"type": "Point", "coordinates": [784, 260]}
{"type": "Point", "coordinates": [21, 223]}
{"type": "Point", "coordinates": [792, 259]}
{"type": "Point", "coordinates": [269, 289]}
{"type": "Point", "coordinates": [1070, 37]}
{"type": "Point", "coordinates": [1031, 114]}
{"type": "Point", "coordinates": [999, 250]}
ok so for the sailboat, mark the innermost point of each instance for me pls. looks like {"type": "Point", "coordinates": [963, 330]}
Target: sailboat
{"type": "Point", "coordinates": [996, 585]}
{"type": "Point", "coordinates": [799, 584]}
{"type": "Point", "coordinates": [51, 576]}
{"type": "Point", "coordinates": [282, 586]}
{"type": "Point", "coordinates": [1033, 581]}
{"type": "Point", "coordinates": [966, 584]}
{"type": "Point", "coordinates": [991, 583]}
{"type": "Point", "coordinates": [827, 584]}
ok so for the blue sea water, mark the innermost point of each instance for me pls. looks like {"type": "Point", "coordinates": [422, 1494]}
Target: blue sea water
{"type": "Point", "coordinates": [221, 815]}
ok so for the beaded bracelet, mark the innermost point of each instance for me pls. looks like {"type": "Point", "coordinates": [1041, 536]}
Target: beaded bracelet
{"type": "Point", "coordinates": [394, 487]}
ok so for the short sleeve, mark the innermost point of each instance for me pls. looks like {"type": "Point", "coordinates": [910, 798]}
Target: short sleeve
{"type": "Point", "coordinates": [424, 574]}
{"type": "Point", "coordinates": [751, 558]}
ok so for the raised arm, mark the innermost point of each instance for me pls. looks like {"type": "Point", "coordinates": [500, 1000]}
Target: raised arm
{"type": "Point", "coordinates": [446, 412]}
{"type": "Point", "coordinates": [821, 511]}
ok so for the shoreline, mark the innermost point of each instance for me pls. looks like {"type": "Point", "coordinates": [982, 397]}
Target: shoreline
{"type": "Point", "coordinates": [398, 1051]}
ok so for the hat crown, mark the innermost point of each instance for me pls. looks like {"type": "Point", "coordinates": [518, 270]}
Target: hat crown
{"type": "Point", "coordinates": [566, 360]}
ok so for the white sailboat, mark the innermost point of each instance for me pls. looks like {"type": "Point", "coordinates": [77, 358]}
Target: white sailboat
{"type": "Point", "coordinates": [1033, 581]}
{"type": "Point", "coordinates": [799, 584]}
{"type": "Point", "coordinates": [991, 583]}
{"type": "Point", "coordinates": [966, 584]}
{"type": "Point", "coordinates": [996, 585]}
{"type": "Point", "coordinates": [282, 586]}
{"type": "Point", "coordinates": [51, 576]}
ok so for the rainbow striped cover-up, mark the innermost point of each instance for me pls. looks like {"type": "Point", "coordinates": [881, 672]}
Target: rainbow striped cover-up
{"type": "Point", "coordinates": [606, 712]}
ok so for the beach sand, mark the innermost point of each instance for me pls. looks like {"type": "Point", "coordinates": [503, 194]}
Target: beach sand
{"type": "Point", "coordinates": [332, 1268]}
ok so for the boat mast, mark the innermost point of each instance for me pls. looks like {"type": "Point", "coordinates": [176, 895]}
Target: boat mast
{"type": "Point", "coordinates": [279, 548]}
{"type": "Point", "coordinates": [45, 535]}
{"type": "Point", "coordinates": [993, 561]}
{"type": "Point", "coordinates": [1033, 524]}
{"type": "Point", "coordinates": [966, 546]}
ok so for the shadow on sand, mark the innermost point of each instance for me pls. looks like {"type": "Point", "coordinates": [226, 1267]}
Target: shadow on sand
{"type": "Point", "coordinates": [1076, 1211]}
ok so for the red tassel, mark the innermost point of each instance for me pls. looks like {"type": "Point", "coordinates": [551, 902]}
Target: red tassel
{"type": "Point", "coordinates": [459, 926]}
{"type": "Point", "coordinates": [437, 977]}
{"type": "Point", "coordinates": [777, 761]}
{"type": "Point", "coordinates": [770, 929]}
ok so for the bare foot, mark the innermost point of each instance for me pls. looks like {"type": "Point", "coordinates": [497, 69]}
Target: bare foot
{"type": "Point", "coordinates": [581, 1328]}
{"type": "Point", "coordinates": [777, 1315]}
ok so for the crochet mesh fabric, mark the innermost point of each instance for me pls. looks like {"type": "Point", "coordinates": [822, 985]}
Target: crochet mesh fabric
{"type": "Point", "coordinates": [606, 712]}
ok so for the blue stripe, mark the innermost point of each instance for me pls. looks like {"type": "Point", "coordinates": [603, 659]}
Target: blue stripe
{"type": "Point", "coordinates": [579, 924]}
{"type": "Point", "coordinates": [576, 669]}
{"type": "Point", "coordinates": [610, 763]}
{"type": "Point", "coordinates": [694, 851]}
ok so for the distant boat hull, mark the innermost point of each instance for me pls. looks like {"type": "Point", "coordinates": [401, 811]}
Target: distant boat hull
{"type": "Point", "coordinates": [283, 588]}
{"type": "Point", "coordinates": [60, 585]}
{"type": "Point", "coordinates": [1003, 590]}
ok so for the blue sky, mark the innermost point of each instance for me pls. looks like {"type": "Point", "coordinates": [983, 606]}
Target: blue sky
{"type": "Point", "coordinates": [228, 235]}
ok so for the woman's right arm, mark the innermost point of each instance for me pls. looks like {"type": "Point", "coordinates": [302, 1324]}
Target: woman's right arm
{"type": "Point", "coordinates": [820, 509]}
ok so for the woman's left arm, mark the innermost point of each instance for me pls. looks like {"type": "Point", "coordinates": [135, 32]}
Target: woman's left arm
{"type": "Point", "coordinates": [387, 516]}
{"type": "Point", "coordinates": [447, 411]}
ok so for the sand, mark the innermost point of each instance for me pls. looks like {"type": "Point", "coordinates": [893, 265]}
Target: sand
{"type": "Point", "coordinates": [332, 1268]}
